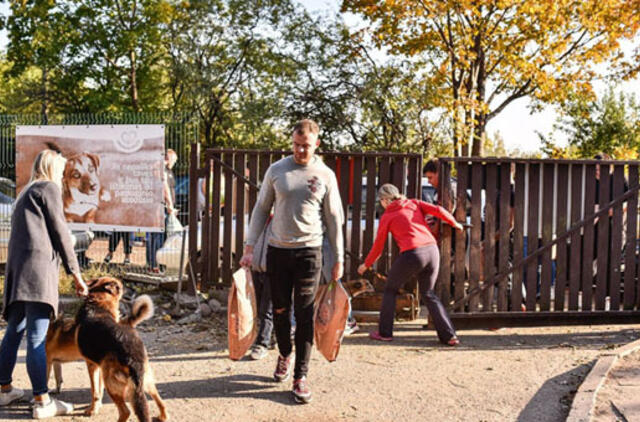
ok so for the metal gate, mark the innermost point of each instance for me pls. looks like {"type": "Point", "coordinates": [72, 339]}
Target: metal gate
{"type": "Point", "coordinates": [551, 241]}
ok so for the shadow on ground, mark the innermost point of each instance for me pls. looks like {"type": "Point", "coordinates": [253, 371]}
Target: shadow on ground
{"type": "Point", "coordinates": [232, 386]}
{"type": "Point", "coordinates": [413, 335]}
{"type": "Point", "coordinates": [557, 391]}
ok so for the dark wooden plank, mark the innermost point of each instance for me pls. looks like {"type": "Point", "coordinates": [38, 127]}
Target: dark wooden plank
{"type": "Point", "coordinates": [384, 176]}
{"type": "Point", "coordinates": [265, 162]}
{"type": "Point", "coordinates": [589, 235]}
{"type": "Point", "coordinates": [532, 234]}
{"type": "Point", "coordinates": [443, 285]}
{"type": "Point", "coordinates": [616, 240]}
{"type": "Point", "coordinates": [356, 213]}
{"type": "Point", "coordinates": [370, 208]}
{"type": "Point", "coordinates": [229, 199]}
{"type": "Point", "coordinates": [504, 229]}
{"type": "Point", "coordinates": [332, 162]}
{"type": "Point", "coordinates": [630, 261]}
{"type": "Point", "coordinates": [562, 219]}
{"type": "Point", "coordinates": [414, 185]}
{"type": "Point", "coordinates": [399, 179]}
{"type": "Point", "coordinates": [475, 266]}
{"type": "Point", "coordinates": [575, 239]}
{"type": "Point", "coordinates": [343, 186]}
{"type": "Point", "coordinates": [518, 236]}
{"type": "Point", "coordinates": [239, 165]}
{"type": "Point", "coordinates": [461, 237]}
{"type": "Point", "coordinates": [399, 174]}
{"type": "Point", "coordinates": [253, 176]}
{"type": "Point", "coordinates": [548, 175]}
{"type": "Point", "coordinates": [603, 240]}
{"type": "Point", "coordinates": [489, 244]}
{"type": "Point", "coordinates": [206, 223]}
{"type": "Point", "coordinates": [194, 168]}
{"type": "Point", "coordinates": [214, 237]}
{"type": "Point", "coordinates": [538, 319]}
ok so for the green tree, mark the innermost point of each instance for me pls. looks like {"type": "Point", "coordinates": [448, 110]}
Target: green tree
{"type": "Point", "coordinates": [610, 124]}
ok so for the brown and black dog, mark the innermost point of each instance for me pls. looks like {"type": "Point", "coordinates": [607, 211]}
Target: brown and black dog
{"type": "Point", "coordinates": [62, 346]}
{"type": "Point", "coordinates": [81, 188]}
{"type": "Point", "coordinates": [115, 348]}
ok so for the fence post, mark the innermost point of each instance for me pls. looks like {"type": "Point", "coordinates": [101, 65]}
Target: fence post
{"type": "Point", "coordinates": [194, 164]}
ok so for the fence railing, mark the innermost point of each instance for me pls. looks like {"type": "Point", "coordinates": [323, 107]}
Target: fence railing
{"type": "Point", "coordinates": [181, 131]}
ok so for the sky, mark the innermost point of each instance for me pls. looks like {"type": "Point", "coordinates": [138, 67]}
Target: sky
{"type": "Point", "coordinates": [516, 125]}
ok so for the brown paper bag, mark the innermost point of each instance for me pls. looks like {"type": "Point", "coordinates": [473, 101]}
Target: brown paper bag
{"type": "Point", "coordinates": [330, 320]}
{"type": "Point", "coordinates": [241, 314]}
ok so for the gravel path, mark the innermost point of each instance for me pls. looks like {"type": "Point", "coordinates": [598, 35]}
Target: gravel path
{"type": "Point", "coordinates": [525, 374]}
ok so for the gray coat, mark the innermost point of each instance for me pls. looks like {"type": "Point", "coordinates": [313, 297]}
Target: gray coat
{"type": "Point", "coordinates": [39, 238]}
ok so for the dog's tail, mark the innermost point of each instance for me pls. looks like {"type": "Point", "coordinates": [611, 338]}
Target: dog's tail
{"type": "Point", "coordinates": [142, 310]}
{"type": "Point", "coordinates": [140, 404]}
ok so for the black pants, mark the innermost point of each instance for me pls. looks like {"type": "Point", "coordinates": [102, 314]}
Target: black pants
{"type": "Point", "coordinates": [424, 263]}
{"type": "Point", "coordinates": [265, 308]}
{"type": "Point", "coordinates": [297, 271]}
{"type": "Point", "coordinates": [114, 239]}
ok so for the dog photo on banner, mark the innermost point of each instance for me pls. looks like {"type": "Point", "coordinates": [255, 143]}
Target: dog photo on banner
{"type": "Point", "coordinates": [113, 176]}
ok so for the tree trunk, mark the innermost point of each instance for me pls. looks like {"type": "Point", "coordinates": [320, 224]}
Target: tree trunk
{"type": "Point", "coordinates": [478, 135]}
{"type": "Point", "coordinates": [134, 83]}
{"type": "Point", "coordinates": [481, 119]}
{"type": "Point", "coordinates": [44, 105]}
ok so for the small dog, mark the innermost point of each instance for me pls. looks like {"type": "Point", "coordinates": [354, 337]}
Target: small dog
{"type": "Point", "coordinates": [358, 286]}
{"type": "Point", "coordinates": [62, 346]}
{"type": "Point", "coordinates": [81, 189]}
{"type": "Point", "coordinates": [115, 348]}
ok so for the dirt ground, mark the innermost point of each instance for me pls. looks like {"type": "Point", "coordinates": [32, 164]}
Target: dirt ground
{"type": "Point", "coordinates": [619, 397]}
{"type": "Point", "coordinates": [524, 374]}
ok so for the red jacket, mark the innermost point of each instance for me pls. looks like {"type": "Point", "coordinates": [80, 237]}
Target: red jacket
{"type": "Point", "coordinates": [404, 218]}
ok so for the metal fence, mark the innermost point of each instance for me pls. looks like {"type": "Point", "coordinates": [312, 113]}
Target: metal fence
{"type": "Point", "coordinates": [181, 131]}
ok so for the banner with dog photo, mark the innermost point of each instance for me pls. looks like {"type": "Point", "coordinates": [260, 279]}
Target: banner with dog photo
{"type": "Point", "coordinates": [113, 176]}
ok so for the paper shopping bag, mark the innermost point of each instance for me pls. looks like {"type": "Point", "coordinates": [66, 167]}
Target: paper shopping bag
{"type": "Point", "coordinates": [330, 320]}
{"type": "Point", "coordinates": [241, 314]}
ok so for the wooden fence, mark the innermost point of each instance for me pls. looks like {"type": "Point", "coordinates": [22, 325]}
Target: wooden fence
{"type": "Point", "coordinates": [555, 238]}
{"type": "Point", "coordinates": [232, 177]}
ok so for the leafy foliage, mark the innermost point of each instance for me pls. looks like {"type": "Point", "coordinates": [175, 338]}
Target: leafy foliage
{"type": "Point", "coordinates": [484, 54]}
{"type": "Point", "coordinates": [610, 125]}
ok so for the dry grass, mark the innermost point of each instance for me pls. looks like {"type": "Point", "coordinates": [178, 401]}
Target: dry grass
{"type": "Point", "coordinates": [66, 286]}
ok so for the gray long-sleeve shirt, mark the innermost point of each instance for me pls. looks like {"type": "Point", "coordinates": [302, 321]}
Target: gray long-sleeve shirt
{"type": "Point", "coordinates": [304, 197]}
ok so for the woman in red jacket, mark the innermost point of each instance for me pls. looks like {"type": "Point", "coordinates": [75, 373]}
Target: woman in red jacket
{"type": "Point", "coordinates": [419, 257]}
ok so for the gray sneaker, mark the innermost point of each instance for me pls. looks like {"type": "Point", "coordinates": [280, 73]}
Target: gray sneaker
{"type": "Point", "coordinates": [258, 352]}
{"type": "Point", "coordinates": [11, 396]}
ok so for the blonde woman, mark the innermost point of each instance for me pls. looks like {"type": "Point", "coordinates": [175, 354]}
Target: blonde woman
{"type": "Point", "coordinates": [39, 238]}
{"type": "Point", "coordinates": [419, 257]}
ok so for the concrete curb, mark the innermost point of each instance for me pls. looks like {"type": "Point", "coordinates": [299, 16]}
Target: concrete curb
{"type": "Point", "coordinates": [585, 400]}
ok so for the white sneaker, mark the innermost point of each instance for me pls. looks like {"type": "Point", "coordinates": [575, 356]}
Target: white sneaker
{"type": "Point", "coordinates": [54, 407]}
{"type": "Point", "coordinates": [258, 352]}
{"type": "Point", "coordinates": [11, 396]}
